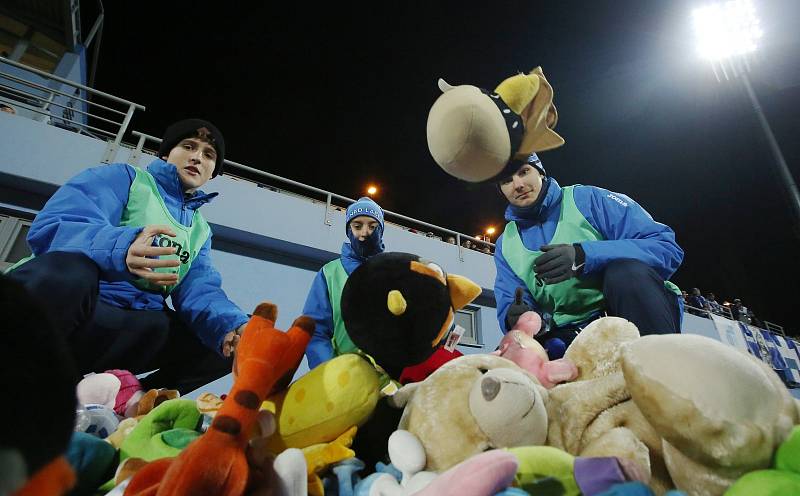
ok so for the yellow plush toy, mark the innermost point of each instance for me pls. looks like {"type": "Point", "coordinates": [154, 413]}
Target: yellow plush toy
{"type": "Point", "coordinates": [473, 134]}
{"type": "Point", "coordinates": [324, 403]}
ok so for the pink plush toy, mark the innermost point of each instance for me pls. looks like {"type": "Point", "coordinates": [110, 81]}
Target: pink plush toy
{"type": "Point", "coordinates": [520, 347]}
{"type": "Point", "coordinates": [117, 389]}
{"type": "Point", "coordinates": [484, 474]}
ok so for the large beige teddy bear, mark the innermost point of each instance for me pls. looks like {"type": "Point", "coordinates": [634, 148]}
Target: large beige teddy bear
{"type": "Point", "coordinates": [472, 404]}
{"type": "Point", "coordinates": [696, 412]}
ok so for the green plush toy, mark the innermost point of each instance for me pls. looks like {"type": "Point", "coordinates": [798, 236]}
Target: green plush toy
{"type": "Point", "coordinates": [545, 470]}
{"type": "Point", "coordinates": [163, 432]}
{"type": "Point", "coordinates": [783, 479]}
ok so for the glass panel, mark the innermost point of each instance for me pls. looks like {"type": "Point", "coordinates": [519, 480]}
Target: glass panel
{"type": "Point", "coordinates": [466, 319]}
{"type": "Point", "coordinates": [20, 249]}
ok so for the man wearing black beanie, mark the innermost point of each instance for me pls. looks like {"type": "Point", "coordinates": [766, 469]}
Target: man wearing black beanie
{"type": "Point", "coordinates": [115, 241]}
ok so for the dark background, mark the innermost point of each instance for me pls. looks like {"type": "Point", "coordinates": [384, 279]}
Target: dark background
{"type": "Point", "coordinates": [337, 95]}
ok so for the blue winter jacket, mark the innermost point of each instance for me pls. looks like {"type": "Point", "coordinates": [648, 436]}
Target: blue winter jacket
{"type": "Point", "coordinates": [83, 217]}
{"type": "Point", "coordinates": [629, 232]}
{"type": "Point", "coordinates": [318, 307]}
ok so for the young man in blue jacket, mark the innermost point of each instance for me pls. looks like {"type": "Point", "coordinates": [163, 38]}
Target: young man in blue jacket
{"type": "Point", "coordinates": [364, 229]}
{"type": "Point", "coordinates": [575, 253]}
{"type": "Point", "coordinates": [115, 241]}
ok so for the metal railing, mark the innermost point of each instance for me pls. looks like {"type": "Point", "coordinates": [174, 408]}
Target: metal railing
{"type": "Point", "coordinates": [726, 312]}
{"type": "Point", "coordinates": [39, 99]}
{"type": "Point", "coordinates": [329, 196]}
{"type": "Point", "coordinates": [774, 328]}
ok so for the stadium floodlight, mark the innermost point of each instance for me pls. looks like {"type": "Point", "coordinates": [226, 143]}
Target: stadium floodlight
{"type": "Point", "coordinates": [727, 33]}
{"type": "Point", "coordinates": [726, 29]}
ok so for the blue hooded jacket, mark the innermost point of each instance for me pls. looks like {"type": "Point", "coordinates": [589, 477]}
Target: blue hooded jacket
{"type": "Point", "coordinates": [83, 216]}
{"type": "Point", "coordinates": [629, 232]}
{"type": "Point", "coordinates": [354, 253]}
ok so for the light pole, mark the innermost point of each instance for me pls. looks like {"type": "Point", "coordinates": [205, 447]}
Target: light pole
{"type": "Point", "coordinates": [726, 34]}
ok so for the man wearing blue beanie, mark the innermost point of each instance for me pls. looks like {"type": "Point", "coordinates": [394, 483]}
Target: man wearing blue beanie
{"type": "Point", "coordinates": [576, 253]}
{"type": "Point", "coordinates": [364, 230]}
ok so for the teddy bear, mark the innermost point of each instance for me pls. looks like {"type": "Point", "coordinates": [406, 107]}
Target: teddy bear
{"type": "Point", "coordinates": [472, 404]}
{"type": "Point", "coordinates": [696, 413]}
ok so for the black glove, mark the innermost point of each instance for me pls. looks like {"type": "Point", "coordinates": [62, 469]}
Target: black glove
{"type": "Point", "coordinates": [516, 309]}
{"type": "Point", "coordinates": [559, 263]}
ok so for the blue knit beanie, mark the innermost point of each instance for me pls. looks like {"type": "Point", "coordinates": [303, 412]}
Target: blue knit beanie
{"type": "Point", "coordinates": [364, 206]}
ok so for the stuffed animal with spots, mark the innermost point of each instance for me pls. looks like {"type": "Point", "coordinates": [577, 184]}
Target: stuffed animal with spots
{"type": "Point", "coordinates": [478, 135]}
{"type": "Point", "coordinates": [217, 463]}
{"type": "Point", "coordinates": [398, 308]}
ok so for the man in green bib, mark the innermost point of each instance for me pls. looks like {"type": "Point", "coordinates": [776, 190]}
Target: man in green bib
{"type": "Point", "coordinates": [573, 254]}
{"type": "Point", "coordinates": [114, 242]}
{"type": "Point", "coordinates": [364, 230]}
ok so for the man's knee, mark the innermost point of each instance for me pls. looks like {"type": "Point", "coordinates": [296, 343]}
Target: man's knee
{"type": "Point", "coordinates": [59, 273]}
{"type": "Point", "coordinates": [626, 274]}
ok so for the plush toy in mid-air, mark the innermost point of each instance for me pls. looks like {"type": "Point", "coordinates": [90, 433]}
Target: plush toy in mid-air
{"type": "Point", "coordinates": [478, 135]}
{"type": "Point", "coordinates": [398, 308]}
{"type": "Point", "coordinates": [216, 462]}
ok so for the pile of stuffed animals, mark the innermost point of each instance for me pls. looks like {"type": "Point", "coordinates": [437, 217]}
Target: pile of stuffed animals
{"type": "Point", "coordinates": [619, 414]}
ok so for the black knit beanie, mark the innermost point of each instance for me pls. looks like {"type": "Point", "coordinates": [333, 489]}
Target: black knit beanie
{"type": "Point", "coordinates": [194, 128]}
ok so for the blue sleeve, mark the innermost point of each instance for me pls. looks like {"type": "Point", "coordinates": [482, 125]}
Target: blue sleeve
{"type": "Point", "coordinates": [203, 305]}
{"type": "Point", "coordinates": [318, 307]}
{"type": "Point", "coordinates": [506, 283]}
{"type": "Point", "coordinates": [83, 216]}
{"type": "Point", "coordinates": [629, 232]}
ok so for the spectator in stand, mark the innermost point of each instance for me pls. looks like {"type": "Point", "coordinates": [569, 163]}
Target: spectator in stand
{"type": "Point", "coordinates": [712, 304]}
{"type": "Point", "coordinates": [451, 240]}
{"type": "Point", "coordinates": [755, 320]}
{"type": "Point", "coordinates": [740, 312]}
{"type": "Point", "coordinates": [466, 243]}
{"type": "Point", "coordinates": [697, 305]}
{"type": "Point", "coordinates": [684, 296]}
{"type": "Point", "coordinates": [4, 107]}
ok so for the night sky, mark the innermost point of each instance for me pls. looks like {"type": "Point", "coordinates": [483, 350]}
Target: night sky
{"type": "Point", "coordinates": [337, 96]}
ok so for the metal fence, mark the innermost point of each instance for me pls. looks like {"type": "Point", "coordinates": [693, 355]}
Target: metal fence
{"type": "Point", "coordinates": [82, 109]}
{"type": "Point", "coordinates": [329, 196]}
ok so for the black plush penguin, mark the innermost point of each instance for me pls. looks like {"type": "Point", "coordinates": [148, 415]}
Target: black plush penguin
{"type": "Point", "coordinates": [397, 307]}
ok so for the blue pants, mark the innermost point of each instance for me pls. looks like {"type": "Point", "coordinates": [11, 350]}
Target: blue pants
{"type": "Point", "coordinates": [102, 336]}
{"type": "Point", "coordinates": [635, 292]}
{"type": "Point", "coordinates": [631, 290]}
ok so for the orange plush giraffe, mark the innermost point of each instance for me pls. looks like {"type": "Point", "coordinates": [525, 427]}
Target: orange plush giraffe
{"type": "Point", "coordinates": [216, 463]}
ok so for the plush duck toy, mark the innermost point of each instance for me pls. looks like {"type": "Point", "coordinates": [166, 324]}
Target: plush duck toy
{"type": "Point", "coordinates": [478, 136]}
{"type": "Point", "coordinates": [398, 307]}
{"type": "Point", "coordinates": [216, 463]}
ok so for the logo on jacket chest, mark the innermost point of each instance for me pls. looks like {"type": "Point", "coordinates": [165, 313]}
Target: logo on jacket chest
{"type": "Point", "coordinates": [164, 242]}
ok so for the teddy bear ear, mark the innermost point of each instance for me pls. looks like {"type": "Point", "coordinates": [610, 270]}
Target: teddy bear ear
{"type": "Point", "coordinates": [403, 395]}
{"type": "Point", "coordinates": [444, 85]}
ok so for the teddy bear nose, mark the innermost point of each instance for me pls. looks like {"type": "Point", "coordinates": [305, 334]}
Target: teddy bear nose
{"type": "Point", "coordinates": [489, 388]}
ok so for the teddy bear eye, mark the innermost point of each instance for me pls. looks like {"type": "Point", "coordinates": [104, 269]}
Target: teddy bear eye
{"type": "Point", "coordinates": [483, 370]}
